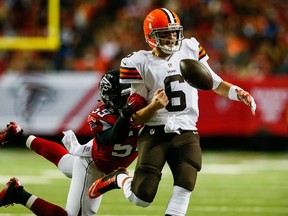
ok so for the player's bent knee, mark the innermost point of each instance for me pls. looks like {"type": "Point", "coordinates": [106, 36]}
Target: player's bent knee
{"type": "Point", "coordinates": [145, 183]}
{"type": "Point", "coordinates": [65, 165]}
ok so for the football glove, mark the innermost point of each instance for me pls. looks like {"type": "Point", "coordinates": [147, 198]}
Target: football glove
{"type": "Point", "coordinates": [246, 98]}
{"type": "Point", "coordinates": [134, 103]}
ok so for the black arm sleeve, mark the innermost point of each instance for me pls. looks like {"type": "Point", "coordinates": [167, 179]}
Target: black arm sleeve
{"type": "Point", "coordinates": [116, 134]}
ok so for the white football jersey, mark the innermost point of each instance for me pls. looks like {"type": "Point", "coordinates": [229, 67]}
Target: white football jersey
{"type": "Point", "coordinates": [147, 73]}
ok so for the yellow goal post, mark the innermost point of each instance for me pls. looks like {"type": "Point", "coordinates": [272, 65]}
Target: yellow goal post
{"type": "Point", "coordinates": [51, 42]}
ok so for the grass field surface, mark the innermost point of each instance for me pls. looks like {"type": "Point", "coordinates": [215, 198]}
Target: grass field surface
{"type": "Point", "coordinates": [230, 184]}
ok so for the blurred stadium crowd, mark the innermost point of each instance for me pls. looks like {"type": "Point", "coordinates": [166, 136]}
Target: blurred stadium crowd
{"type": "Point", "coordinates": [244, 39]}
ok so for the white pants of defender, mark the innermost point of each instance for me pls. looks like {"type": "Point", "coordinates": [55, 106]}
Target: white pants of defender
{"type": "Point", "coordinates": [84, 172]}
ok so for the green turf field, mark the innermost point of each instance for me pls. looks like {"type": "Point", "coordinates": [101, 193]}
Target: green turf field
{"type": "Point", "coordinates": [230, 184]}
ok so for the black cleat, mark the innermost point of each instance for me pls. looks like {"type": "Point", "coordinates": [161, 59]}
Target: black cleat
{"type": "Point", "coordinates": [12, 130]}
{"type": "Point", "coordinates": [8, 194]}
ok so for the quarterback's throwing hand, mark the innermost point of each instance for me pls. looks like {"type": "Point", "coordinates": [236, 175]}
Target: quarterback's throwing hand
{"type": "Point", "coordinates": [247, 99]}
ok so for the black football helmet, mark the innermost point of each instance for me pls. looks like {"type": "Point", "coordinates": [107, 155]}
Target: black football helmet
{"type": "Point", "coordinates": [113, 94]}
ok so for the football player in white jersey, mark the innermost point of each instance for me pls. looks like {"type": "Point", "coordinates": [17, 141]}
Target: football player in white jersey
{"type": "Point", "coordinates": [170, 132]}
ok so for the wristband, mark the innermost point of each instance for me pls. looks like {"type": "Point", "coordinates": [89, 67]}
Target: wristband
{"type": "Point", "coordinates": [232, 94]}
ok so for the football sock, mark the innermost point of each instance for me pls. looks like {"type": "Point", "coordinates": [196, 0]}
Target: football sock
{"type": "Point", "coordinates": [126, 187]}
{"type": "Point", "coordinates": [179, 201]}
{"type": "Point", "coordinates": [52, 151]}
{"type": "Point", "coordinates": [120, 179]}
{"type": "Point", "coordinates": [44, 208]}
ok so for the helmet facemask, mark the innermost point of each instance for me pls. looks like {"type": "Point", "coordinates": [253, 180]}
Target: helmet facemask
{"type": "Point", "coordinates": [161, 34]}
{"type": "Point", "coordinates": [113, 94]}
{"type": "Point", "coordinates": [125, 93]}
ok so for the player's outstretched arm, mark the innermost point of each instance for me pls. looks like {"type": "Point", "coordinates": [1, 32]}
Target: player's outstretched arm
{"type": "Point", "coordinates": [234, 92]}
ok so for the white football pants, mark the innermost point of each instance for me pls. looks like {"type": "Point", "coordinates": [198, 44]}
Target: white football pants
{"type": "Point", "coordinates": [84, 173]}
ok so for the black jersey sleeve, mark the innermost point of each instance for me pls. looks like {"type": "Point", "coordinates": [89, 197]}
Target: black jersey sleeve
{"type": "Point", "coordinates": [115, 134]}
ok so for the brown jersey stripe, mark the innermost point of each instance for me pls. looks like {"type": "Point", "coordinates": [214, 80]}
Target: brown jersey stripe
{"type": "Point", "coordinates": [202, 52]}
{"type": "Point", "coordinates": [129, 73]}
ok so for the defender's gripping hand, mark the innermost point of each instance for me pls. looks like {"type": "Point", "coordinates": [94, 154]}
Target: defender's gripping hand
{"type": "Point", "coordinates": [246, 98]}
{"type": "Point", "coordinates": [134, 103]}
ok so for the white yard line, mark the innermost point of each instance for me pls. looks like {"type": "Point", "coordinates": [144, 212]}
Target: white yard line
{"type": "Point", "coordinates": [245, 166]}
{"type": "Point", "coordinates": [44, 177]}
{"type": "Point", "coordinates": [244, 209]}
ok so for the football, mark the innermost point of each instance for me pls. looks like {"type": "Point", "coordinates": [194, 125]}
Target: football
{"type": "Point", "coordinates": [196, 74]}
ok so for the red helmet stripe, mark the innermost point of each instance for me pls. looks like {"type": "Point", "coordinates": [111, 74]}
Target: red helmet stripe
{"type": "Point", "coordinates": [170, 16]}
